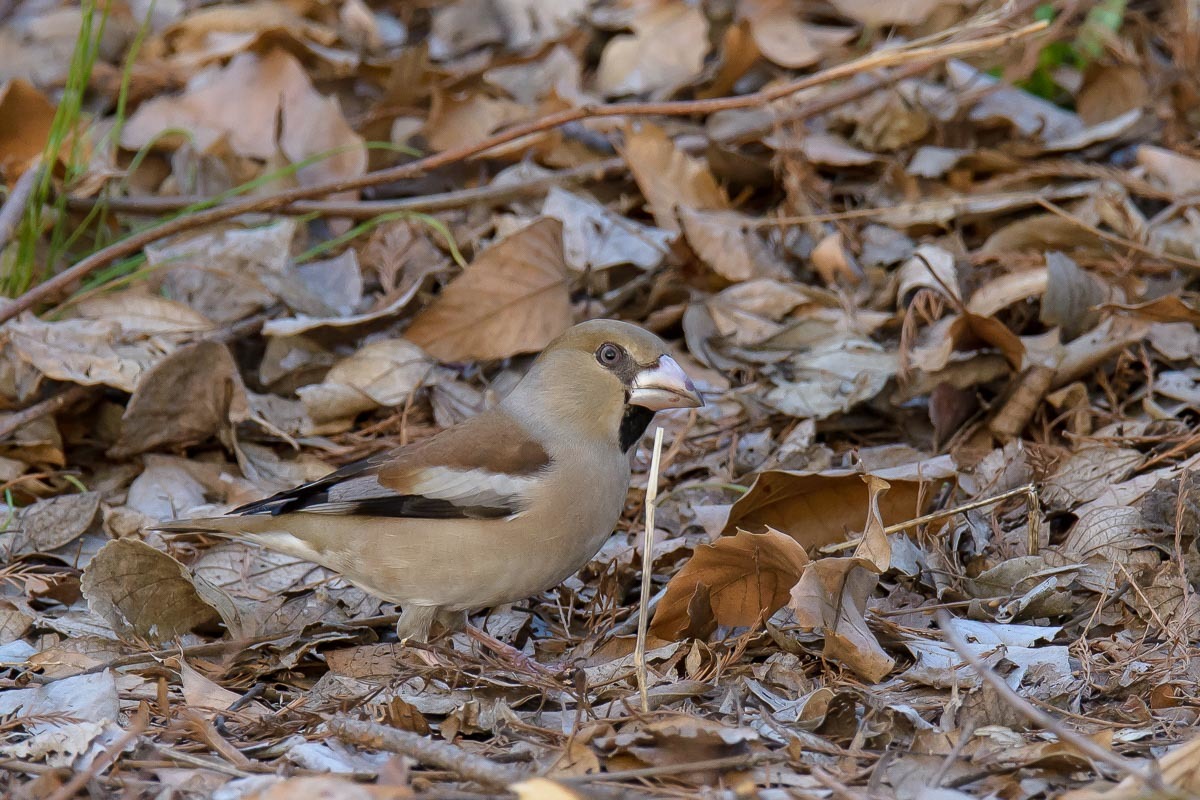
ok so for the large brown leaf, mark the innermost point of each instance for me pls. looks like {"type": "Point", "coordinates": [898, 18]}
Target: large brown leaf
{"type": "Point", "coordinates": [144, 592]}
{"type": "Point", "coordinates": [192, 394]}
{"type": "Point", "coordinates": [817, 509]}
{"type": "Point", "coordinates": [747, 578]}
{"type": "Point", "coordinates": [668, 177]}
{"type": "Point", "coordinates": [512, 299]}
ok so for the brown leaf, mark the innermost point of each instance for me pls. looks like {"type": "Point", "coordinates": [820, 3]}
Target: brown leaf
{"type": "Point", "coordinates": [1179, 770]}
{"type": "Point", "coordinates": [1071, 297]}
{"type": "Point", "coordinates": [191, 395]}
{"type": "Point", "coordinates": [669, 178]}
{"type": "Point", "coordinates": [725, 242]}
{"type": "Point", "coordinates": [144, 592]}
{"type": "Point", "coordinates": [1163, 309]}
{"type": "Point", "coordinates": [382, 373]}
{"type": "Point", "coordinates": [817, 509]}
{"type": "Point", "coordinates": [972, 331]}
{"type": "Point", "coordinates": [874, 546]}
{"type": "Point", "coordinates": [511, 299]}
{"type": "Point", "coordinates": [748, 577]}
{"type": "Point", "coordinates": [875, 14]}
{"type": "Point", "coordinates": [25, 119]}
{"type": "Point", "coordinates": [784, 38]}
{"type": "Point", "coordinates": [831, 598]}
{"type": "Point", "coordinates": [52, 523]}
{"type": "Point", "coordinates": [458, 120]}
{"type": "Point", "coordinates": [665, 51]}
{"type": "Point", "coordinates": [13, 622]}
{"type": "Point", "coordinates": [245, 102]}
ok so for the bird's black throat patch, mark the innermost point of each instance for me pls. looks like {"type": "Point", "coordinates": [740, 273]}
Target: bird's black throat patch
{"type": "Point", "coordinates": [633, 425]}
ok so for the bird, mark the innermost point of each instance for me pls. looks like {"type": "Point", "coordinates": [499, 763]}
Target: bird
{"type": "Point", "coordinates": [495, 509]}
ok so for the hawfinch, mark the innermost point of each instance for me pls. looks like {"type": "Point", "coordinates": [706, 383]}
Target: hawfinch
{"type": "Point", "coordinates": [500, 507]}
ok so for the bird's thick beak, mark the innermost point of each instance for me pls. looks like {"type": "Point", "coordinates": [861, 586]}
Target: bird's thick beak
{"type": "Point", "coordinates": [664, 385]}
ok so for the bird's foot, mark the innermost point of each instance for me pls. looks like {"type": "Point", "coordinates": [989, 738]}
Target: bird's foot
{"type": "Point", "coordinates": [509, 654]}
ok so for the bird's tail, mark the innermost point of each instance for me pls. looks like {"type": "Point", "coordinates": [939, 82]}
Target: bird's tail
{"type": "Point", "coordinates": [231, 527]}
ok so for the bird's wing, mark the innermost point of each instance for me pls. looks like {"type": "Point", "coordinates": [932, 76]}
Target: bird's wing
{"type": "Point", "coordinates": [484, 468]}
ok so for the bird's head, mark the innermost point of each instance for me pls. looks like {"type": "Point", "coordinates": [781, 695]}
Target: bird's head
{"type": "Point", "coordinates": [607, 378]}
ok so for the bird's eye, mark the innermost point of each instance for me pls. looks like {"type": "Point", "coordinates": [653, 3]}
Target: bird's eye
{"type": "Point", "coordinates": [608, 354]}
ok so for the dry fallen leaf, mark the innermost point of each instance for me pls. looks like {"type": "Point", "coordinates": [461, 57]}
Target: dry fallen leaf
{"type": "Point", "coordinates": [244, 103]}
{"type": "Point", "coordinates": [596, 238]}
{"type": "Point", "coordinates": [817, 509]}
{"type": "Point", "coordinates": [831, 598]}
{"type": "Point", "coordinates": [786, 39]}
{"type": "Point", "coordinates": [1179, 770]}
{"type": "Point", "coordinates": [746, 578]}
{"type": "Point", "coordinates": [665, 51]}
{"type": "Point", "coordinates": [144, 592]}
{"type": "Point", "coordinates": [902, 12]}
{"type": "Point", "coordinates": [668, 177]}
{"type": "Point", "coordinates": [192, 394]}
{"type": "Point", "coordinates": [725, 242]}
{"type": "Point", "coordinates": [512, 299]}
{"type": "Point", "coordinates": [25, 119]}
{"type": "Point", "coordinates": [50, 524]}
{"type": "Point", "coordinates": [383, 373]}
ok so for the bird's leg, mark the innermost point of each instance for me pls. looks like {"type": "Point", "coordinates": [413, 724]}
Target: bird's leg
{"type": "Point", "coordinates": [507, 652]}
{"type": "Point", "coordinates": [413, 626]}
{"type": "Point", "coordinates": [415, 622]}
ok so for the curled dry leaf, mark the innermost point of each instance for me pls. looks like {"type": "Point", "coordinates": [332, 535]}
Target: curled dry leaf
{"type": "Point", "coordinates": [745, 578]}
{"type": "Point", "coordinates": [831, 598]}
{"type": "Point", "coordinates": [512, 299]}
{"type": "Point", "coordinates": [459, 28]}
{"type": "Point", "coordinates": [665, 51]}
{"type": "Point", "coordinates": [1179, 770]}
{"type": "Point", "coordinates": [833, 377]}
{"type": "Point", "coordinates": [596, 238]}
{"type": "Point", "coordinates": [63, 718]}
{"type": "Point", "coordinates": [225, 275]}
{"type": "Point", "coordinates": [820, 508]}
{"type": "Point", "coordinates": [784, 38]}
{"type": "Point", "coordinates": [725, 242]}
{"type": "Point", "coordinates": [930, 267]}
{"type": "Point", "coordinates": [382, 373]}
{"type": "Point", "coordinates": [88, 352]}
{"type": "Point", "coordinates": [831, 595]}
{"type": "Point", "coordinates": [1071, 297]}
{"type": "Point", "coordinates": [189, 396]}
{"type": "Point", "coordinates": [243, 103]}
{"type": "Point", "coordinates": [874, 14]}
{"type": "Point", "coordinates": [144, 592]}
{"type": "Point", "coordinates": [669, 178]}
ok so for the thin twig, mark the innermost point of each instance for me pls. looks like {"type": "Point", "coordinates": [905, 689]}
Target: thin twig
{"type": "Point", "coordinates": [366, 209]}
{"type": "Point", "coordinates": [216, 648]}
{"type": "Point", "coordinates": [14, 207]}
{"type": "Point", "coordinates": [663, 770]}
{"type": "Point", "coordinates": [1112, 238]}
{"type": "Point", "coordinates": [11, 423]}
{"type": "Point", "coordinates": [1041, 718]}
{"type": "Point", "coordinates": [873, 61]}
{"type": "Point", "coordinates": [1029, 490]}
{"type": "Point", "coordinates": [425, 750]}
{"type": "Point", "coordinates": [639, 652]}
{"type": "Point", "coordinates": [139, 722]}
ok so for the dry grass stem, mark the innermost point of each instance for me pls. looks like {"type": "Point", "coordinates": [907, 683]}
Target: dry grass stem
{"type": "Point", "coordinates": [647, 571]}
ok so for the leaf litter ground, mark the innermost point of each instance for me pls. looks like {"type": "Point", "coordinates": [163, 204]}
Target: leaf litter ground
{"type": "Point", "coordinates": [927, 257]}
